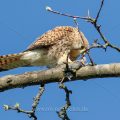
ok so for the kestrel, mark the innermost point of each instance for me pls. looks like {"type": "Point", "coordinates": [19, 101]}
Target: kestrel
{"type": "Point", "coordinates": [50, 49]}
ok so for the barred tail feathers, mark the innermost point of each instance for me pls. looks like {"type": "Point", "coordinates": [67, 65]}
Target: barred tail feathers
{"type": "Point", "coordinates": [11, 61]}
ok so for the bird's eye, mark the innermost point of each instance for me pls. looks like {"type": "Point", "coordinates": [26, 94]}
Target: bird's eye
{"type": "Point", "coordinates": [82, 47]}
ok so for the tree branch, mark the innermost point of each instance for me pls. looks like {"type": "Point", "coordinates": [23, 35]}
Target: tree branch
{"type": "Point", "coordinates": [30, 113]}
{"type": "Point", "coordinates": [63, 111]}
{"type": "Point", "coordinates": [56, 74]}
{"type": "Point", "coordinates": [93, 21]}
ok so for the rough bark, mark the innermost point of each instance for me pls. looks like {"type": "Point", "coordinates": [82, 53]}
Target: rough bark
{"type": "Point", "coordinates": [56, 74]}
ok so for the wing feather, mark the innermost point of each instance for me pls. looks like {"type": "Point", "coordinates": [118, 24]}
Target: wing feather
{"type": "Point", "coordinates": [51, 37]}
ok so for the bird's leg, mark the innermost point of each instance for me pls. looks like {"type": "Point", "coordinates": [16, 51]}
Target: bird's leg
{"type": "Point", "coordinates": [67, 62]}
{"type": "Point", "coordinates": [69, 73]}
{"type": "Point", "coordinates": [72, 67]}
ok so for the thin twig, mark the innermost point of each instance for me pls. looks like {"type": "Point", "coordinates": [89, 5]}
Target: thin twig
{"type": "Point", "coordinates": [76, 23]}
{"type": "Point", "coordinates": [30, 113]}
{"type": "Point", "coordinates": [63, 14]}
{"type": "Point", "coordinates": [98, 14]}
{"type": "Point", "coordinates": [96, 44]}
{"type": "Point", "coordinates": [93, 21]}
{"type": "Point", "coordinates": [98, 27]}
{"type": "Point", "coordinates": [37, 98]}
{"type": "Point", "coordinates": [63, 111]}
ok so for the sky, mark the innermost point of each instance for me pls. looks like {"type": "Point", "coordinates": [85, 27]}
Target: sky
{"type": "Point", "coordinates": [22, 21]}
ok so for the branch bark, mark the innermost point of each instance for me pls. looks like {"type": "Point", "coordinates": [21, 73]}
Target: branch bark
{"type": "Point", "coordinates": [56, 74]}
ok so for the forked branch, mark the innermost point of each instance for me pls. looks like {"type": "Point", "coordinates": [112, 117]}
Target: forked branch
{"type": "Point", "coordinates": [93, 21]}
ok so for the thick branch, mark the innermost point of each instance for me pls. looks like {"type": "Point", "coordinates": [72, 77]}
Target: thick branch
{"type": "Point", "coordinates": [56, 74]}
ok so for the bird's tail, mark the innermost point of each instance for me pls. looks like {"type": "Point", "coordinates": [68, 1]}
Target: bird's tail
{"type": "Point", "coordinates": [11, 61]}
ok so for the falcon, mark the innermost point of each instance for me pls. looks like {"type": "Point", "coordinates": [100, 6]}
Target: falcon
{"type": "Point", "coordinates": [55, 47]}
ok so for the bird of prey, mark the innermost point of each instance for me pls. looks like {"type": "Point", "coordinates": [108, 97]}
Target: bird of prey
{"type": "Point", "coordinates": [50, 49]}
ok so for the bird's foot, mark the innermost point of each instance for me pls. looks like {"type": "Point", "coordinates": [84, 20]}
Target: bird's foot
{"type": "Point", "coordinates": [70, 70]}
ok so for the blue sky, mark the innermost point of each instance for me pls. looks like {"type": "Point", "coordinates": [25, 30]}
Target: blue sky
{"type": "Point", "coordinates": [21, 22]}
